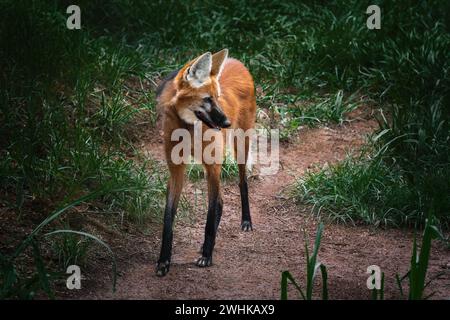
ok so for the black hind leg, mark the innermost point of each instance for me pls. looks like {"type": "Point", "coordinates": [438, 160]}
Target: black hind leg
{"type": "Point", "coordinates": [215, 206]}
{"type": "Point", "coordinates": [246, 222]}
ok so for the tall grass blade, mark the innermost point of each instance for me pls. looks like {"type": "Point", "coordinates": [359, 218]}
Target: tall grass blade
{"type": "Point", "coordinates": [285, 276]}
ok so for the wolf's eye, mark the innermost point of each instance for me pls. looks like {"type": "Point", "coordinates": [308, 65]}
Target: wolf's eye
{"type": "Point", "coordinates": [207, 103]}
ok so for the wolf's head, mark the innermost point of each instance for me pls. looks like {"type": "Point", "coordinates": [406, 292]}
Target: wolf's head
{"type": "Point", "coordinates": [197, 90]}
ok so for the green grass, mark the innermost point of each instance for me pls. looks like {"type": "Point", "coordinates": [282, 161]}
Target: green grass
{"type": "Point", "coordinates": [66, 108]}
{"type": "Point", "coordinates": [359, 189]}
{"type": "Point", "coordinates": [71, 249]}
{"type": "Point", "coordinates": [374, 188]}
{"type": "Point", "coordinates": [288, 111]}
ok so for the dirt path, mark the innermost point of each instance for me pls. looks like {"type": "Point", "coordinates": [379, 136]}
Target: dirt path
{"type": "Point", "coordinates": [248, 265]}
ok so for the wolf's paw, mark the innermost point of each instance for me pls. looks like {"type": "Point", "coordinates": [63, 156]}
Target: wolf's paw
{"type": "Point", "coordinates": [203, 262]}
{"type": "Point", "coordinates": [162, 268]}
{"type": "Point", "coordinates": [246, 226]}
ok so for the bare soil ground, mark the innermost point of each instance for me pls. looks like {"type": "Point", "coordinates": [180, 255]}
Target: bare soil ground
{"type": "Point", "coordinates": [248, 265]}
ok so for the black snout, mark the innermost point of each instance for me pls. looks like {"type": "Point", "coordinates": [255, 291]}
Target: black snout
{"type": "Point", "coordinates": [219, 118]}
{"type": "Point", "coordinates": [214, 117]}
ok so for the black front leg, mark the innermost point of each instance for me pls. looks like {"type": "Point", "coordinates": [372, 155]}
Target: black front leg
{"type": "Point", "coordinates": [167, 239]}
{"type": "Point", "coordinates": [212, 223]}
{"type": "Point", "coordinates": [174, 188]}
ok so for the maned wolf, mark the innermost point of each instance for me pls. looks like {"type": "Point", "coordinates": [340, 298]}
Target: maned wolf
{"type": "Point", "coordinates": [218, 91]}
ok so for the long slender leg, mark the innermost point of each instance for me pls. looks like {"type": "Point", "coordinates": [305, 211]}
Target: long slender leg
{"type": "Point", "coordinates": [246, 222]}
{"type": "Point", "coordinates": [215, 206]}
{"type": "Point", "coordinates": [174, 188]}
{"type": "Point", "coordinates": [218, 217]}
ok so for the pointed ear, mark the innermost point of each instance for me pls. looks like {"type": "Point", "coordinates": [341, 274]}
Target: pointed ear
{"type": "Point", "coordinates": [198, 72]}
{"type": "Point", "coordinates": [218, 60]}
